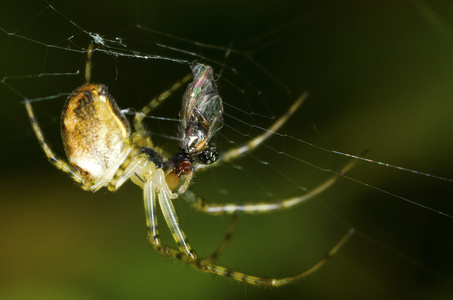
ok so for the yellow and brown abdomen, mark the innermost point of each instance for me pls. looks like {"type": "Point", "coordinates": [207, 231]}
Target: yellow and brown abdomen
{"type": "Point", "coordinates": [94, 130]}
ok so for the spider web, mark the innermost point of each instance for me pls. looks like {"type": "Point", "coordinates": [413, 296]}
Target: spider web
{"type": "Point", "coordinates": [373, 85]}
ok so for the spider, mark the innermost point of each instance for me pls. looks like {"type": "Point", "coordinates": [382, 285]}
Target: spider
{"type": "Point", "coordinates": [102, 151]}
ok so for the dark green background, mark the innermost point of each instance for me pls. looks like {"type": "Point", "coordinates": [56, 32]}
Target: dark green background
{"type": "Point", "coordinates": [380, 77]}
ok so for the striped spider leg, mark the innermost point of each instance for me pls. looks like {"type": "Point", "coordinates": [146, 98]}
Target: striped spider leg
{"type": "Point", "coordinates": [262, 207]}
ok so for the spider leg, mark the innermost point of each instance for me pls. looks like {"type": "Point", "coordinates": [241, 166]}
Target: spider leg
{"type": "Point", "coordinates": [152, 225]}
{"type": "Point", "coordinates": [51, 156]}
{"type": "Point", "coordinates": [187, 255]}
{"type": "Point", "coordinates": [129, 166]}
{"type": "Point", "coordinates": [274, 282]}
{"type": "Point", "coordinates": [90, 50]}
{"type": "Point", "coordinates": [170, 216]}
{"type": "Point", "coordinates": [134, 161]}
{"type": "Point", "coordinates": [155, 103]}
{"type": "Point", "coordinates": [154, 236]}
{"type": "Point", "coordinates": [256, 141]}
{"type": "Point", "coordinates": [226, 240]}
{"type": "Point", "coordinates": [261, 207]}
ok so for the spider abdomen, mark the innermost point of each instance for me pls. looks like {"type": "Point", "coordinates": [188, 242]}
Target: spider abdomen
{"type": "Point", "coordinates": [94, 130]}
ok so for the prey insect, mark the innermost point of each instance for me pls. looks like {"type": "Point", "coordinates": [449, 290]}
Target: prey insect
{"type": "Point", "coordinates": [102, 151]}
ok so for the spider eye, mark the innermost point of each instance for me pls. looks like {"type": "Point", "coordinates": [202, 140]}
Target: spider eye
{"type": "Point", "coordinates": [208, 156]}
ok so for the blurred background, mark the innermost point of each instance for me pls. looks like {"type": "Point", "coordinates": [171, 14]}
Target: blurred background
{"type": "Point", "coordinates": [379, 79]}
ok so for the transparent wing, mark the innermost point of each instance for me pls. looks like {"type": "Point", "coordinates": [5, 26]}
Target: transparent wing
{"type": "Point", "coordinates": [202, 110]}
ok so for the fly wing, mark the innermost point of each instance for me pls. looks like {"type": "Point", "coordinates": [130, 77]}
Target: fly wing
{"type": "Point", "coordinates": [202, 110]}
